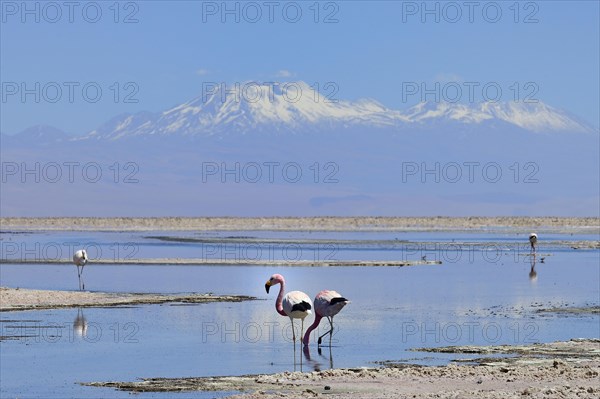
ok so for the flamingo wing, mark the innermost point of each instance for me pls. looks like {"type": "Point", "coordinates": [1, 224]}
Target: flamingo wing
{"type": "Point", "coordinates": [328, 303]}
{"type": "Point", "coordinates": [297, 304]}
{"type": "Point", "coordinates": [80, 258]}
{"type": "Point", "coordinates": [533, 238]}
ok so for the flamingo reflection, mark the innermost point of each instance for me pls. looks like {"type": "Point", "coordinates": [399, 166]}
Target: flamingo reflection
{"type": "Point", "coordinates": [532, 272]}
{"type": "Point", "coordinates": [80, 324]}
{"type": "Point", "coordinates": [314, 363]}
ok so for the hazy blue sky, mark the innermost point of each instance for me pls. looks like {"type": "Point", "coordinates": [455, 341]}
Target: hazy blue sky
{"type": "Point", "coordinates": [370, 51]}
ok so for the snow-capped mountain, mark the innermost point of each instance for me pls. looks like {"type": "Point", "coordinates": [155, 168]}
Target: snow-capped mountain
{"type": "Point", "coordinates": [536, 117]}
{"type": "Point", "coordinates": [296, 107]}
{"type": "Point", "coordinates": [293, 107]}
{"type": "Point", "coordinates": [352, 157]}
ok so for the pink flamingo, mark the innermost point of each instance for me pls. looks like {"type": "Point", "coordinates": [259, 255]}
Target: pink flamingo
{"type": "Point", "coordinates": [295, 304]}
{"type": "Point", "coordinates": [327, 304]}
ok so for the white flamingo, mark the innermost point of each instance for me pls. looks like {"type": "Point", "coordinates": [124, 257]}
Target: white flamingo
{"type": "Point", "coordinates": [80, 258]}
{"type": "Point", "coordinates": [533, 241]}
{"type": "Point", "coordinates": [295, 304]}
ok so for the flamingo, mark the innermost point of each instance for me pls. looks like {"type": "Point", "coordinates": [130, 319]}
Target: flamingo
{"type": "Point", "coordinates": [80, 258]}
{"type": "Point", "coordinates": [328, 303]}
{"type": "Point", "coordinates": [295, 304]}
{"type": "Point", "coordinates": [533, 241]}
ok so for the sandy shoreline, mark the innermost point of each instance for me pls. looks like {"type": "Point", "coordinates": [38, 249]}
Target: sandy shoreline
{"type": "Point", "coordinates": [524, 224]}
{"type": "Point", "coordinates": [15, 299]}
{"type": "Point", "coordinates": [555, 370]}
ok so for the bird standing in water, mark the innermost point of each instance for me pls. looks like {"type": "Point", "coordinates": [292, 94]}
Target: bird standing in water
{"type": "Point", "coordinates": [533, 241]}
{"type": "Point", "coordinates": [295, 304]}
{"type": "Point", "coordinates": [328, 303]}
{"type": "Point", "coordinates": [80, 258]}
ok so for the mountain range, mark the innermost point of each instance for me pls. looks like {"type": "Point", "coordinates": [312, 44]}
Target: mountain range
{"type": "Point", "coordinates": [365, 143]}
{"type": "Point", "coordinates": [296, 108]}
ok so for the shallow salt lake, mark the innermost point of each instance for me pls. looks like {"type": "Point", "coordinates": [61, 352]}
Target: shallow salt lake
{"type": "Point", "coordinates": [483, 293]}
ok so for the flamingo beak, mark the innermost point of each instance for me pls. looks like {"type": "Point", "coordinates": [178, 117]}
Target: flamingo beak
{"type": "Point", "coordinates": [267, 286]}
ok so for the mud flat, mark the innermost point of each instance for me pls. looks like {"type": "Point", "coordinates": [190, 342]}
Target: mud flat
{"type": "Point", "coordinates": [573, 244]}
{"type": "Point", "coordinates": [14, 299]}
{"type": "Point", "coordinates": [233, 262]}
{"type": "Point", "coordinates": [555, 370]}
{"type": "Point", "coordinates": [573, 352]}
{"type": "Point", "coordinates": [518, 224]}
{"type": "Point", "coordinates": [564, 310]}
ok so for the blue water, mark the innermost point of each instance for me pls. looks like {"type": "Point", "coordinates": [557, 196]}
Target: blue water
{"type": "Point", "coordinates": [288, 246]}
{"type": "Point", "coordinates": [479, 295]}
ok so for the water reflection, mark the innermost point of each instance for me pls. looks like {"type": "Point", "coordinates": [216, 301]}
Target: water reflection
{"type": "Point", "coordinates": [532, 272]}
{"type": "Point", "coordinates": [315, 364]}
{"type": "Point", "coordinates": [80, 324]}
{"type": "Point", "coordinates": [297, 359]}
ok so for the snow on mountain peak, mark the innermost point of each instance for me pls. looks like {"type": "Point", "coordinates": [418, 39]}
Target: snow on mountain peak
{"type": "Point", "coordinates": [536, 117]}
{"type": "Point", "coordinates": [295, 107]}
{"type": "Point", "coordinates": [291, 104]}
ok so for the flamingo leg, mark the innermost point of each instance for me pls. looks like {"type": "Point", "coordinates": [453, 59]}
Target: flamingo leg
{"type": "Point", "coordinates": [330, 332]}
{"type": "Point", "coordinates": [81, 282]}
{"type": "Point", "coordinates": [79, 277]}
{"type": "Point", "coordinates": [293, 331]}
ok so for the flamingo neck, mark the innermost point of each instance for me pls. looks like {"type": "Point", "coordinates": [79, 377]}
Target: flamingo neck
{"type": "Point", "coordinates": [279, 302]}
{"type": "Point", "coordinates": [310, 329]}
